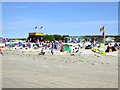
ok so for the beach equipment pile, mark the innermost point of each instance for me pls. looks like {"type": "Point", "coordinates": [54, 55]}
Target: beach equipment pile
{"type": "Point", "coordinates": [96, 50]}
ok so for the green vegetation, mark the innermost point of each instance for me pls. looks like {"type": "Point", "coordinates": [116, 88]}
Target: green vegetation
{"type": "Point", "coordinates": [54, 37]}
{"type": "Point", "coordinates": [49, 37]}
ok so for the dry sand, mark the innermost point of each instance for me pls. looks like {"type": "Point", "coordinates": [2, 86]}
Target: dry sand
{"type": "Point", "coordinates": [29, 70]}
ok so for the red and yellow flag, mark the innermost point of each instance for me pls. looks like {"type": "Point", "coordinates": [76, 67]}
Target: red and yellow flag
{"type": "Point", "coordinates": [102, 29]}
{"type": "Point", "coordinates": [103, 33]}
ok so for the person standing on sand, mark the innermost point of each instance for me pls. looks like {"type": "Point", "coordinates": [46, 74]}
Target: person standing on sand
{"type": "Point", "coordinates": [52, 51]}
{"type": "Point", "coordinates": [52, 47]}
{"type": "Point", "coordinates": [1, 52]}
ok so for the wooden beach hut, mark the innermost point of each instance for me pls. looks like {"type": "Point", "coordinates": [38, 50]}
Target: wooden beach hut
{"type": "Point", "coordinates": [35, 37]}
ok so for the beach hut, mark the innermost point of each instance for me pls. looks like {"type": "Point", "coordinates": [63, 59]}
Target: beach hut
{"type": "Point", "coordinates": [35, 37]}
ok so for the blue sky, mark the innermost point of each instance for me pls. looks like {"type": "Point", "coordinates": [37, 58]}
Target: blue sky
{"type": "Point", "coordinates": [71, 18]}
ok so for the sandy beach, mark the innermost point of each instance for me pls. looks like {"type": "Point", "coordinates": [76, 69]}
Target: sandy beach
{"type": "Point", "coordinates": [61, 70]}
{"type": "Point", "coordinates": [59, 44]}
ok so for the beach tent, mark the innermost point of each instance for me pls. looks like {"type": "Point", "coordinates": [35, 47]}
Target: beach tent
{"type": "Point", "coordinates": [66, 48]}
{"type": "Point", "coordinates": [28, 45]}
{"type": "Point", "coordinates": [89, 47]}
{"type": "Point", "coordinates": [36, 45]}
{"type": "Point", "coordinates": [20, 43]}
{"type": "Point", "coordinates": [112, 49]}
{"type": "Point", "coordinates": [11, 44]}
{"type": "Point", "coordinates": [23, 45]}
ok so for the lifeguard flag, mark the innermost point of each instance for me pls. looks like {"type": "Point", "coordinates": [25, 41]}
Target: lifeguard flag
{"type": "Point", "coordinates": [102, 29]}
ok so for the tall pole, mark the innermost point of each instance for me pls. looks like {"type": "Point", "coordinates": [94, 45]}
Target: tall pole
{"type": "Point", "coordinates": [104, 37]}
{"type": "Point", "coordinates": [103, 34]}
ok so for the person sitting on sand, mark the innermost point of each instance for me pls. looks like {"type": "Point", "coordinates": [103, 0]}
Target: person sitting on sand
{"type": "Point", "coordinates": [1, 52]}
{"type": "Point", "coordinates": [42, 52]}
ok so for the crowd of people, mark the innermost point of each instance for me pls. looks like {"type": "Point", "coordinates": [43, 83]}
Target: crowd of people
{"type": "Point", "coordinates": [59, 45]}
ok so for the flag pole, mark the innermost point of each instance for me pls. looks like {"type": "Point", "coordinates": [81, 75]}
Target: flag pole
{"type": "Point", "coordinates": [104, 38]}
{"type": "Point", "coordinates": [103, 35]}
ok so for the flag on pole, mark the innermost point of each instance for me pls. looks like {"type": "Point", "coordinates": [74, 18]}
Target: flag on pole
{"type": "Point", "coordinates": [102, 29]}
{"type": "Point", "coordinates": [103, 33]}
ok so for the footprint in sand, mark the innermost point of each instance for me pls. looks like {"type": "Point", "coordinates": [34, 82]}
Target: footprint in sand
{"type": "Point", "coordinates": [79, 60]}
{"type": "Point", "coordinates": [93, 63]}
{"type": "Point", "coordinates": [102, 63]}
{"type": "Point", "coordinates": [44, 58]}
{"type": "Point", "coordinates": [66, 61]}
{"type": "Point", "coordinates": [73, 61]}
{"type": "Point", "coordinates": [34, 58]}
{"type": "Point", "coordinates": [87, 62]}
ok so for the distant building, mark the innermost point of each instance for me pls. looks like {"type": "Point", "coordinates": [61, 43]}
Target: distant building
{"type": "Point", "coordinates": [73, 39]}
{"type": "Point", "coordinates": [94, 38]}
{"type": "Point", "coordinates": [35, 37]}
{"type": "Point", "coordinates": [78, 39]}
{"type": "Point", "coordinates": [110, 39]}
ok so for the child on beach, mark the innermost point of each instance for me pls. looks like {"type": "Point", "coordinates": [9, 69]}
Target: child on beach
{"type": "Point", "coordinates": [1, 52]}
